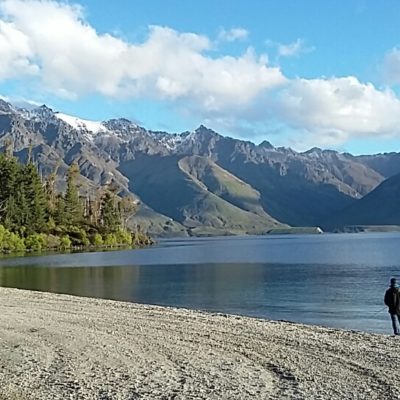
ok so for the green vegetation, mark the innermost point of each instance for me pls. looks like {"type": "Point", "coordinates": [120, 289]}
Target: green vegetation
{"type": "Point", "coordinates": [223, 184]}
{"type": "Point", "coordinates": [34, 217]}
{"type": "Point", "coordinates": [192, 190]}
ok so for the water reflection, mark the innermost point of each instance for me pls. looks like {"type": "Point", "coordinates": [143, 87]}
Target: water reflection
{"type": "Point", "coordinates": [333, 280]}
{"type": "Point", "coordinates": [339, 296]}
{"type": "Point", "coordinates": [109, 283]}
{"type": "Point", "coordinates": [236, 287]}
{"type": "Point", "coordinates": [347, 249]}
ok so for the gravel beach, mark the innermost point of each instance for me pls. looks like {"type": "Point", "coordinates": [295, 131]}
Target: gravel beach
{"type": "Point", "coordinates": [64, 347]}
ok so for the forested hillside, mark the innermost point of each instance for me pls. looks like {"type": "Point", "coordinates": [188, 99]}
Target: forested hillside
{"type": "Point", "coordinates": [35, 217]}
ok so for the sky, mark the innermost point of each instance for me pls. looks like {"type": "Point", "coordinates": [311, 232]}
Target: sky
{"type": "Point", "coordinates": [296, 73]}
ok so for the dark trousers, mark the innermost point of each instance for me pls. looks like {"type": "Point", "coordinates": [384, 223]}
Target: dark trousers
{"type": "Point", "coordinates": [395, 323]}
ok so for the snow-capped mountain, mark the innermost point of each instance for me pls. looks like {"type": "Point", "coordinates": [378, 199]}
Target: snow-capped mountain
{"type": "Point", "coordinates": [198, 181]}
{"type": "Point", "coordinates": [93, 127]}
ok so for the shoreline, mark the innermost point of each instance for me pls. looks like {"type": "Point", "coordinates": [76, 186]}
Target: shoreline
{"type": "Point", "coordinates": [56, 346]}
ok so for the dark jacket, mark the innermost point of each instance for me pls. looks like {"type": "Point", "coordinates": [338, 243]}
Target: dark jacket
{"type": "Point", "coordinates": [392, 300]}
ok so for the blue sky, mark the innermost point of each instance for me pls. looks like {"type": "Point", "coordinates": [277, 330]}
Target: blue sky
{"type": "Point", "coordinates": [296, 73]}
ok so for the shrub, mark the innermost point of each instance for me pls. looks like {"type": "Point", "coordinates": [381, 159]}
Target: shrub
{"type": "Point", "coordinates": [84, 239]}
{"type": "Point", "coordinates": [16, 243]}
{"type": "Point", "coordinates": [97, 240]}
{"type": "Point", "coordinates": [11, 242]}
{"type": "Point", "coordinates": [65, 242]}
{"type": "Point", "coordinates": [2, 234]}
{"type": "Point", "coordinates": [53, 242]}
{"type": "Point", "coordinates": [110, 240]}
{"type": "Point", "coordinates": [123, 237]}
{"type": "Point", "coordinates": [141, 239]}
{"type": "Point", "coordinates": [78, 236]}
{"type": "Point", "coordinates": [51, 225]}
{"type": "Point", "coordinates": [36, 242]}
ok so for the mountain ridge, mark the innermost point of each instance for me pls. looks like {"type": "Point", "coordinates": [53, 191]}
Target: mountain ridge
{"type": "Point", "coordinates": [198, 180]}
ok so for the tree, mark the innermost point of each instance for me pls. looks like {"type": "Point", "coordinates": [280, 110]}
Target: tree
{"type": "Point", "coordinates": [14, 214]}
{"type": "Point", "coordinates": [34, 198]}
{"type": "Point", "coordinates": [110, 217]}
{"type": "Point", "coordinates": [127, 208]}
{"type": "Point", "coordinates": [51, 194]}
{"type": "Point", "coordinates": [23, 205]}
{"type": "Point", "coordinates": [34, 217]}
{"type": "Point", "coordinates": [73, 205]}
{"type": "Point", "coordinates": [9, 168]}
{"type": "Point", "coordinates": [60, 214]}
{"type": "Point", "coordinates": [94, 204]}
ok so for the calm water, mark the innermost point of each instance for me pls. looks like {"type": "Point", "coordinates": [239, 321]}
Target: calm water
{"type": "Point", "coordinates": [333, 280]}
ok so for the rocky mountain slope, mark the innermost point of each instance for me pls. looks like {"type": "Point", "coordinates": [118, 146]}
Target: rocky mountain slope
{"type": "Point", "coordinates": [197, 182]}
{"type": "Point", "coordinates": [379, 207]}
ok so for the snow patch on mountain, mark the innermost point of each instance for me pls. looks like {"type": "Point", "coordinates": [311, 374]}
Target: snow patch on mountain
{"type": "Point", "coordinates": [171, 141]}
{"type": "Point", "coordinates": [82, 124]}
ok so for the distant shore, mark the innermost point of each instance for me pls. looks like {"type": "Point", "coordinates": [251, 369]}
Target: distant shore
{"type": "Point", "coordinates": [65, 347]}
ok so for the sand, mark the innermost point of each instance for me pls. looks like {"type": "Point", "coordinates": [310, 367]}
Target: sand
{"type": "Point", "coordinates": [64, 347]}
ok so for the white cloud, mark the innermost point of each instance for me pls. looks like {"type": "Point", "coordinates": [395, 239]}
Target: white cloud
{"type": "Point", "coordinates": [53, 43]}
{"type": "Point", "coordinates": [15, 52]}
{"type": "Point", "coordinates": [334, 110]}
{"type": "Point", "coordinates": [25, 103]}
{"type": "Point", "coordinates": [75, 60]}
{"type": "Point", "coordinates": [293, 49]}
{"type": "Point", "coordinates": [21, 102]}
{"type": "Point", "coordinates": [326, 112]}
{"type": "Point", "coordinates": [233, 34]}
{"type": "Point", "coordinates": [391, 66]}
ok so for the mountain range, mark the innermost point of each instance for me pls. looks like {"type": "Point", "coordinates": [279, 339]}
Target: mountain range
{"type": "Point", "coordinates": [203, 183]}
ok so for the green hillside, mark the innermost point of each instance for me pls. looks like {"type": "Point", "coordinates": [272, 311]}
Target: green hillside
{"type": "Point", "coordinates": [223, 184]}
{"type": "Point", "coordinates": [183, 194]}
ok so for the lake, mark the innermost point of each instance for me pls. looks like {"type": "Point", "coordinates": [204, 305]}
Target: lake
{"type": "Point", "coordinates": [335, 280]}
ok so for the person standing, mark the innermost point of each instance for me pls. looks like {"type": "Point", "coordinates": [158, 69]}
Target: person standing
{"type": "Point", "coordinates": [392, 300]}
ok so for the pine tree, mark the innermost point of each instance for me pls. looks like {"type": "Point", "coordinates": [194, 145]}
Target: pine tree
{"type": "Point", "coordinates": [17, 211]}
{"type": "Point", "coordinates": [35, 198]}
{"type": "Point", "coordinates": [12, 219]}
{"type": "Point", "coordinates": [8, 175]}
{"type": "Point", "coordinates": [73, 205]}
{"type": "Point", "coordinates": [110, 216]}
{"type": "Point", "coordinates": [30, 208]}
{"type": "Point", "coordinates": [60, 215]}
{"type": "Point", "coordinates": [51, 195]}
{"type": "Point", "coordinates": [9, 190]}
